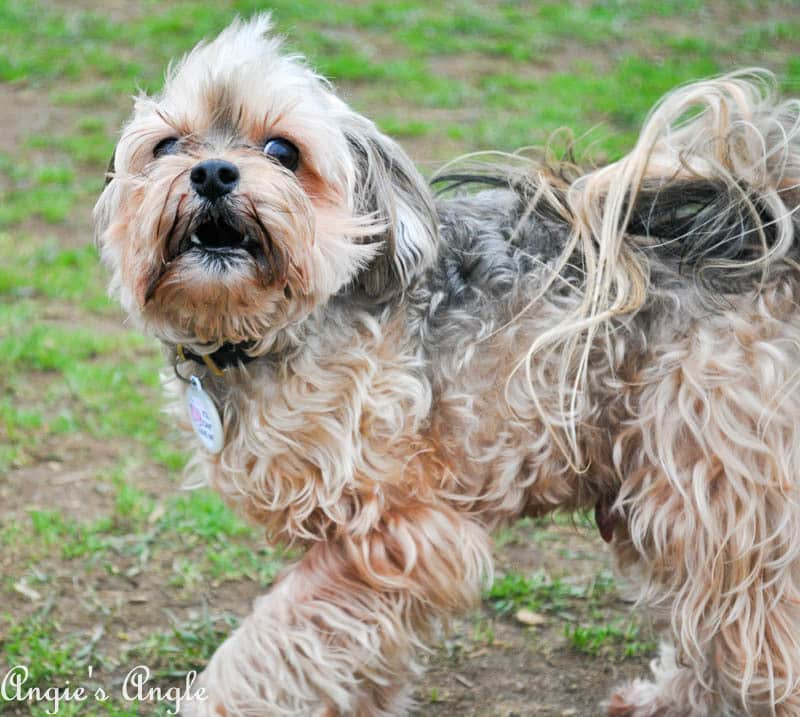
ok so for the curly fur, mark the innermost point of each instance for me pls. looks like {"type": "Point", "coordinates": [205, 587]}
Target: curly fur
{"type": "Point", "coordinates": [429, 367]}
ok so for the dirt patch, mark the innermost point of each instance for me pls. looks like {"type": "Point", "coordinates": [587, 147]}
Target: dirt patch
{"type": "Point", "coordinates": [71, 486]}
{"type": "Point", "coordinates": [523, 674]}
{"type": "Point", "coordinates": [25, 111]}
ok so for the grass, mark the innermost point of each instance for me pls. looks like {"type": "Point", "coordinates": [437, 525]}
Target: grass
{"type": "Point", "coordinates": [587, 609]}
{"type": "Point", "coordinates": [189, 643]}
{"type": "Point", "coordinates": [541, 591]}
{"type": "Point", "coordinates": [605, 638]}
{"type": "Point", "coordinates": [584, 605]}
{"type": "Point", "coordinates": [31, 643]}
{"type": "Point", "coordinates": [195, 534]}
{"type": "Point", "coordinates": [79, 393]}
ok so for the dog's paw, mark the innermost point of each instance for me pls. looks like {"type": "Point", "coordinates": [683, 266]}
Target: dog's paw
{"type": "Point", "coordinates": [637, 699]}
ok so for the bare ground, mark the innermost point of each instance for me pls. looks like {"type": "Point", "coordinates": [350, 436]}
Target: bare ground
{"type": "Point", "coordinates": [486, 665]}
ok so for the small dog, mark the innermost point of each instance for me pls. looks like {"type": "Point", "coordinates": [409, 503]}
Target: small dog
{"type": "Point", "coordinates": [383, 375]}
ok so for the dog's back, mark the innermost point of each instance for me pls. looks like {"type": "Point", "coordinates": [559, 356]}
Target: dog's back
{"type": "Point", "coordinates": [643, 319]}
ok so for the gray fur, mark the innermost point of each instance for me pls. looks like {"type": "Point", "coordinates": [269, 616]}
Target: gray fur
{"type": "Point", "coordinates": [389, 186]}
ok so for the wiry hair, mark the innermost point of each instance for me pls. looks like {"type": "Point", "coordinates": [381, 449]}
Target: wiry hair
{"type": "Point", "coordinates": [392, 188]}
{"type": "Point", "coordinates": [426, 367]}
{"type": "Point", "coordinates": [710, 191]}
{"type": "Point", "coordinates": [726, 134]}
{"type": "Point", "coordinates": [371, 209]}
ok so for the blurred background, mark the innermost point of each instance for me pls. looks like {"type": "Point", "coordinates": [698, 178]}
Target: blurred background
{"type": "Point", "coordinates": [105, 562]}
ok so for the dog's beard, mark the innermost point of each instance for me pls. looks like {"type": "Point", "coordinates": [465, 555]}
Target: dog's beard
{"type": "Point", "coordinates": [223, 238]}
{"type": "Point", "coordinates": [237, 269]}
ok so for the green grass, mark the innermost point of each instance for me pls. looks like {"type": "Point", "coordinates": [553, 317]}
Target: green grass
{"type": "Point", "coordinates": [541, 591]}
{"type": "Point", "coordinates": [91, 382]}
{"type": "Point", "coordinates": [52, 664]}
{"type": "Point", "coordinates": [186, 644]}
{"type": "Point", "coordinates": [31, 643]}
{"type": "Point", "coordinates": [605, 638]}
{"type": "Point", "coordinates": [78, 389]}
{"type": "Point", "coordinates": [44, 269]}
{"type": "Point", "coordinates": [196, 535]}
{"type": "Point", "coordinates": [586, 607]}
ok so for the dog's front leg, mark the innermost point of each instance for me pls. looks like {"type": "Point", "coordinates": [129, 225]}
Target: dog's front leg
{"type": "Point", "coordinates": [337, 634]}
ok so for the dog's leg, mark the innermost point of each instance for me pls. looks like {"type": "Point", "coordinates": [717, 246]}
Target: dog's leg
{"type": "Point", "coordinates": [338, 633]}
{"type": "Point", "coordinates": [674, 692]}
{"type": "Point", "coordinates": [711, 472]}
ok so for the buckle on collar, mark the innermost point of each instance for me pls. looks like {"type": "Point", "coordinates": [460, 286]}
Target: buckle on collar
{"type": "Point", "coordinates": [206, 358]}
{"type": "Point", "coordinates": [217, 361]}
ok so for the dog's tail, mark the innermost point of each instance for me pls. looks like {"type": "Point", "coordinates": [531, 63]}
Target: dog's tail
{"type": "Point", "coordinates": [710, 190]}
{"type": "Point", "coordinates": [712, 183]}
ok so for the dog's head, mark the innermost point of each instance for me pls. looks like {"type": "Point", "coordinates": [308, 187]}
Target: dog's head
{"type": "Point", "coordinates": [247, 194]}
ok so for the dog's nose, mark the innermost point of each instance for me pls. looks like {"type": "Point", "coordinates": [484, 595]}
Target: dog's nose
{"type": "Point", "coordinates": [214, 178]}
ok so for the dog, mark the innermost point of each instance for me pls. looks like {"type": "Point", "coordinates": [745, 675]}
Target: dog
{"type": "Point", "coordinates": [382, 370]}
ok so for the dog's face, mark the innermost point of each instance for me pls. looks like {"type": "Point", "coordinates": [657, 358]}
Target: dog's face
{"type": "Point", "coordinates": [246, 194]}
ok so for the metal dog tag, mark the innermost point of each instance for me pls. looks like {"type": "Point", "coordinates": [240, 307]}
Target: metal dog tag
{"type": "Point", "coordinates": [204, 416]}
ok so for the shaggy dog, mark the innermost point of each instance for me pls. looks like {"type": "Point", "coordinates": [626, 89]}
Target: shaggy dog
{"type": "Point", "coordinates": [383, 375]}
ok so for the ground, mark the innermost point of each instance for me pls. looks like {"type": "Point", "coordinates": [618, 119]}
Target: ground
{"type": "Point", "coordinates": [106, 562]}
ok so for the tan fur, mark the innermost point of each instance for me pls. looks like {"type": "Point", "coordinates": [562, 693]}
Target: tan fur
{"type": "Point", "coordinates": [710, 460]}
{"type": "Point", "coordinates": [386, 434]}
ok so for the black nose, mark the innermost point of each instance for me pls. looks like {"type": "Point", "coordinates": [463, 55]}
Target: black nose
{"type": "Point", "coordinates": [214, 178]}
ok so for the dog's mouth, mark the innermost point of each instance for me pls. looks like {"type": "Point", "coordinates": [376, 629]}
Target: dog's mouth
{"type": "Point", "coordinates": [220, 245]}
{"type": "Point", "coordinates": [220, 240]}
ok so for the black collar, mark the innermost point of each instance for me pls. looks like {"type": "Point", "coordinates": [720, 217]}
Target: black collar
{"type": "Point", "coordinates": [217, 361]}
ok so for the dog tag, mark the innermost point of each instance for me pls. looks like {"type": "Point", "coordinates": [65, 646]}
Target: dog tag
{"type": "Point", "coordinates": [204, 416]}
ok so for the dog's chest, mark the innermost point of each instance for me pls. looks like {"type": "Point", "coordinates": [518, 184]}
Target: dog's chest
{"type": "Point", "coordinates": [308, 442]}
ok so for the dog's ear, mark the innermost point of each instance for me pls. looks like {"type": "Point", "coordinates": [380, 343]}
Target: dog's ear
{"type": "Point", "coordinates": [389, 187]}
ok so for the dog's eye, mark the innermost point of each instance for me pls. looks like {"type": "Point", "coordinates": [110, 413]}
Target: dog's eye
{"type": "Point", "coordinates": [283, 151]}
{"type": "Point", "coordinates": [165, 146]}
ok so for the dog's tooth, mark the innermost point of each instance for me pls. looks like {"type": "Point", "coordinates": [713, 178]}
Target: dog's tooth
{"type": "Point", "coordinates": [196, 239]}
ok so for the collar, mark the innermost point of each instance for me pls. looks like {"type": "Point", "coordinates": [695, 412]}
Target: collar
{"type": "Point", "coordinates": [217, 361]}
